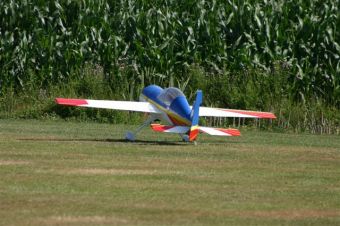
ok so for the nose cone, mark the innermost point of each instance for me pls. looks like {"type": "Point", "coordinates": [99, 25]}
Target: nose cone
{"type": "Point", "coordinates": [152, 92]}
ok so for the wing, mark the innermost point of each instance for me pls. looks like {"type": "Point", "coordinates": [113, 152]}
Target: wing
{"type": "Point", "coordinates": [219, 112]}
{"type": "Point", "coordinates": [107, 104]}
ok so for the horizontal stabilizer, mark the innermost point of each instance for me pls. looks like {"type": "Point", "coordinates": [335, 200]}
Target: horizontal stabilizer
{"type": "Point", "coordinates": [219, 112]}
{"type": "Point", "coordinates": [203, 129]}
{"type": "Point", "coordinates": [107, 104]}
{"type": "Point", "coordinates": [170, 129]}
{"type": "Point", "coordinates": [219, 131]}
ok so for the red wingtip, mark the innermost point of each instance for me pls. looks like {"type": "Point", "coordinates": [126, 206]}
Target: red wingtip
{"type": "Point", "coordinates": [256, 114]}
{"type": "Point", "coordinates": [160, 128]}
{"type": "Point", "coordinates": [232, 132]}
{"type": "Point", "coordinates": [71, 102]}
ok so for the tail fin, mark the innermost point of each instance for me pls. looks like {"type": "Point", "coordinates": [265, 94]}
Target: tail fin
{"type": "Point", "coordinates": [194, 130]}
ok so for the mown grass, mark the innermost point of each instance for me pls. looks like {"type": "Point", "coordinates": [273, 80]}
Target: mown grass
{"type": "Point", "coordinates": [67, 173]}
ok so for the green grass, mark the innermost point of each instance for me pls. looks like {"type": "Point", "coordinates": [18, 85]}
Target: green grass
{"type": "Point", "coordinates": [67, 173]}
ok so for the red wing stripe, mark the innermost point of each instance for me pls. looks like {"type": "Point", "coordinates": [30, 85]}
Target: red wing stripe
{"type": "Point", "coordinates": [160, 128]}
{"type": "Point", "coordinates": [72, 102]}
{"type": "Point", "coordinates": [170, 129]}
{"type": "Point", "coordinates": [252, 113]}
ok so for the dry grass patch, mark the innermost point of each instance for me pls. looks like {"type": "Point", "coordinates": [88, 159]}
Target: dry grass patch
{"type": "Point", "coordinates": [13, 162]}
{"type": "Point", "coordinates": [262, 179]}
{"type": "Point", "coordinates": [290, 214]}
{"type": "Point", "coordinates": [99, 171]}
{"type": "Point", "coordinates": [93, 220]}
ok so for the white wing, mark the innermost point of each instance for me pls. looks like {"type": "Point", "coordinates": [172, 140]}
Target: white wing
{"type": "Point", "coordinates": [107, 104]}
{"type": "Point", "coordinates": [219, 112]}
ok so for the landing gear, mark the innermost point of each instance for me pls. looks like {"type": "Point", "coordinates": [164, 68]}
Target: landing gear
{"type": "Point", "coordinates": [185, 138]}
{"type": "Point", "coordinates": [131, 136]}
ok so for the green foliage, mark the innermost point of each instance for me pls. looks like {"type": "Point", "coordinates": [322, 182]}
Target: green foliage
{"type": "Point", "coordinates": [253, 90]}
{"type": "Point", "coordinates": [243, 54]}
{"type": "Point", "coordinates": [43, 42]}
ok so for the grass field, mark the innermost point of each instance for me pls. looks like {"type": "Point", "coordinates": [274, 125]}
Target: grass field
{"type": "Point", "coordinates": [67, 173]}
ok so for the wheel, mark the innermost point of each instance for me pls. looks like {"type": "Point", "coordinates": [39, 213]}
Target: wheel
{"type": "Point", "coordinates": [130, 136]}
{"type": "Point", "coordinates": [185, 138]}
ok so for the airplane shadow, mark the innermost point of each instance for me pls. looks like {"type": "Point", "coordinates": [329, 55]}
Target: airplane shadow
{"type": "Point", "coordinates": [137, 142]}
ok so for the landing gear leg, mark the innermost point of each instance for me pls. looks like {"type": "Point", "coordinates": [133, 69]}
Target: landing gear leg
{"type": "Point", "coordinates": [131, 136]}
{"type": "Point", "coordinates": [185, 137]}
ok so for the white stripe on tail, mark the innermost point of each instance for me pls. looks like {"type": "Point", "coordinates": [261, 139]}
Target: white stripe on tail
{"type": "Point", "coordinates": [219, 131]}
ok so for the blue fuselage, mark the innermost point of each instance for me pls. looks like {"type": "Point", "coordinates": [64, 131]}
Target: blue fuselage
{"type": "Point", "coordinates": [171, 101]}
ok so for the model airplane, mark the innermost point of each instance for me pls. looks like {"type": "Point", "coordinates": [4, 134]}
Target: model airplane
{"type": "Point", "coordinates": [170, 105]}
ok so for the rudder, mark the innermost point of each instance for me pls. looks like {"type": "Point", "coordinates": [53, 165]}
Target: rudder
{"type": "Point", "coordinates": [194, 129]}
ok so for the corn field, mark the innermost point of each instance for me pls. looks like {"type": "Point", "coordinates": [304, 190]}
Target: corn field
{"type": "Point", "coordinates": [284, 48]}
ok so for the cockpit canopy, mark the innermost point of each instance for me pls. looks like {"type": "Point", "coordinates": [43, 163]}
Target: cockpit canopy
{"type": "Point", "coordinates": [169, 94]}
{"type": "Point", "coordinates": [169, 99]}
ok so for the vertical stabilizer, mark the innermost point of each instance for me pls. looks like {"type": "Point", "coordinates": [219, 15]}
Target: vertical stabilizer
{"type": "Point", "coordinates": [194, 130]}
